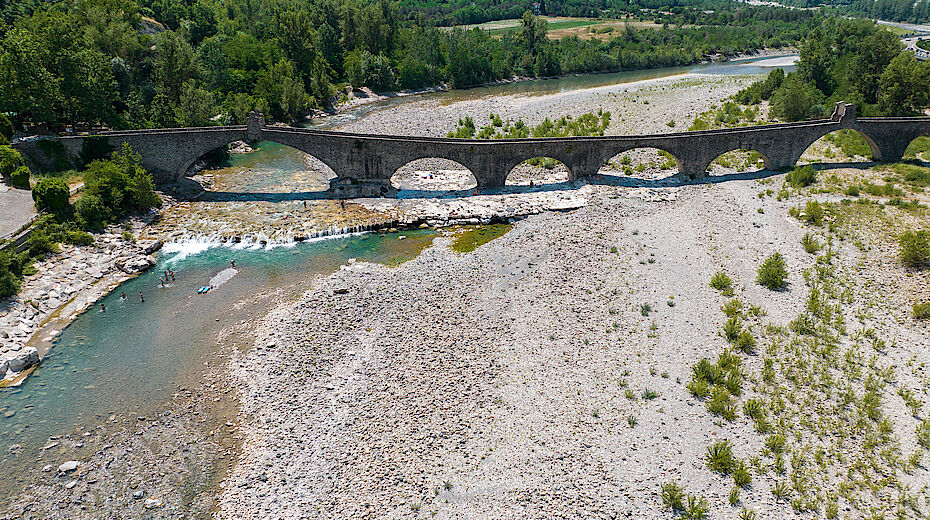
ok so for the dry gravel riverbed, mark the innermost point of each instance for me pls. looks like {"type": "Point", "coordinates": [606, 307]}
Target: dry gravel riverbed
{"type": "Point", "coordinates": [492, 384]}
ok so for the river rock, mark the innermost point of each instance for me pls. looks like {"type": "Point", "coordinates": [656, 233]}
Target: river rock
{"type": "Point", "coordinates": [71, 465]}
{"type": "Point", "coordinates": [153, 246]}
{"type": "Point", "coordinates": [152, 503]}
{"type": "Point", "coordinates": [4, 367]}
{"type": "Point", "coordinates": [24, 359]}
{"type": "Point", "coordinates": [135, 264]}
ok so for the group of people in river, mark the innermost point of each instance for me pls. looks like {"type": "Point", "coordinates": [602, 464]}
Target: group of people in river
{"type": "Point", "coordinates": [168, 276]}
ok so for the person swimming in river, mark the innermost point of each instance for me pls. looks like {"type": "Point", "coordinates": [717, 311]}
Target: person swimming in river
{"type": "Point", "coordinates": [123, 296]}
{"type": "Point", "coordinates": [161, 282]}
{"type": "Point", "coordinates": [171, 273]}
{"type": "Point", "coordinates": [103, 307]}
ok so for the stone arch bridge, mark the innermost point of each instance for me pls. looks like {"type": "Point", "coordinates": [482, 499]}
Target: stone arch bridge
{"type": "Point", "coordinates": [364, 164]}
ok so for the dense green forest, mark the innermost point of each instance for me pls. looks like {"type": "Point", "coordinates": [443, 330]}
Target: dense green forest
{"type": "Point", "coordinates": [182, 62]}
{"type": "Point", "coordinates": [847, 60]}
{"type": "Point", "coordinates": [914, 11]}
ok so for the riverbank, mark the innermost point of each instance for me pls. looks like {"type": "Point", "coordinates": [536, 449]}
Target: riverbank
{"type": "Point", "coordinates": [365, 96]}
{"type": "Point", "coordinates": [64, 285]}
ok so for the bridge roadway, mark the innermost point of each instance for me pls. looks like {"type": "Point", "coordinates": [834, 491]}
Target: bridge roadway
{"type": "Point", "coordinates": [364, 164]}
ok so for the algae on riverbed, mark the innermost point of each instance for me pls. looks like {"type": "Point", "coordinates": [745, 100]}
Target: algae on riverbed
{"type": "Point", "coordinates": [473, 237]}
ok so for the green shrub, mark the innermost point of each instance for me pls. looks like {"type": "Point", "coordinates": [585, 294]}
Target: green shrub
{"type": "Point", "coordinates": [852, 191]}
{"type": "Point", "coordinates": [923, 434]}
{"type": "Point", "coordinates": [10, 160]}
{"type": "Point", "coordinates": [122, 182]}
{"type": "Point", "coordinates": [721, 404]}
{"type": "Point", "coordinates": [40, 243]}
{"type": "Point", "coordinates": [720, 458]}
{"type": "Point", "coordinates": [746, 342]}
{"type": "Point", "coordinates": [732, 308]}
{"type": "Point", "coordinates": [801, 177]}
{"type": "Point", "coordinates": [731, 329]}
{"type": "Point", "coordinates": [921, 311]}
{"type": "Point", "coordinates": [90, 212]}
{"type": "Point", "coordinates": [914, 248]}
{"type": "Point", "coordinates": [722, 282]}
{"type": "Point", "coordinates": [741, 475]}
{"type": "Point", "coordinates": [20, 177]}
{"type": "Point", "coordinates": [810, 243]}
{"type": "Point", "coordinates": [813, 213]}
{"type": "Point", "coordinates": [772, 273]}
{"type": "Point", "coordinates": [673, 496]}
{"type": "Point", "coordinates": [51, 193]}
{"type": "Point", "coordinates": [11, 271]}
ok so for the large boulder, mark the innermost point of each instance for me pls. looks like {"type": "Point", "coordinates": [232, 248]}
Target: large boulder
{"type": "Point", "coordinates": [135, 264]}
{"type": "Point", "coordinates": [24, 359]}
{"type": "Point", "coordinates": [151, 247]}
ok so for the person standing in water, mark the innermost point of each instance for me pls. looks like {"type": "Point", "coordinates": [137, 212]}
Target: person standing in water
{"type": "Point", "coordinates": [141, 297]}
{"type": "Point", "coordinates": [103, 307]}
{"type": "Point", "coordinates": [123, 296]}
{"type": "Point", "coordinates": [232, 263]}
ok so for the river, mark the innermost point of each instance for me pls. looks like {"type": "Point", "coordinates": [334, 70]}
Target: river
{"type": "Point", "coordinates": [128, 359]}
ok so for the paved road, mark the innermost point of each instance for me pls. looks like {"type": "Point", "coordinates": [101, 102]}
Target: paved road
{"type": "Point", "coordinates": [16, 209]}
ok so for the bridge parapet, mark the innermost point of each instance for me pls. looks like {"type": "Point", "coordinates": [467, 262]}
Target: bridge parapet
{"type": "Point", "coordinates": [371, 160]}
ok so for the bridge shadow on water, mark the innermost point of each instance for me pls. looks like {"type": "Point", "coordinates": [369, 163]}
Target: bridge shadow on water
{"type": "Point", "coordinates": [601, 180]}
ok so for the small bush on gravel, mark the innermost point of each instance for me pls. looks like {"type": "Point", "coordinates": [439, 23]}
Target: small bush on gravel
{"type": "Point", "coordinates": [921, 311]}
{"type": "Point", "coordinates": [801, 177]}
{"type": "Point", "coordinates": [732, 308]}
{"type": "Point", "coordinates": [914, 248]}
{"type": "Point", "coordinates": [697, 508]}
{"type": "Point", "coordinates": [772, 273]}
{"type": "Point", "coordinates": [722, 282]}
{"type": "Point", "coordinates": [673, 496]}
{"type": "Point", "coordinates": [734, 496]}
{"type": "Point", "coordinates": [812, 213]}
{"type": "Point", "coordinates": [720, 457]}
{"type": "Point", "coordinates": [731, 329]}
{"type": "Point", "coordinates": [746, 343]}
{"type": "Point", "coordinates": [923, 434]}
{"type": "Point", "coordinates": [775, 443]}
{"type": "Point", "coordinates": [810, 243]}
{"type": "Point", "coordinates": [741, 475]}
{"type": "Point", "coordinates": [721, 404]}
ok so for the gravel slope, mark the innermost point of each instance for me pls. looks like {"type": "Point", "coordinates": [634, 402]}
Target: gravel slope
{"type": "Point", "coordinates": [501, 372]}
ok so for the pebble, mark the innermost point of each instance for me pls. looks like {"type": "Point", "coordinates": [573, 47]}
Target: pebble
{"type": "Point", "coordinates": [152, 503]}
{"type": "Point", "coordinates": [71, 465]}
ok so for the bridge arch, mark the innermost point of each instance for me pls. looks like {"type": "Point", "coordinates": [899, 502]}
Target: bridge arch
{"type": "Point", "coordinates": [741, 160]}
{"type": "Point", "coordinates": [641, 162]}
{"type": "Point", "coordinates": [919, 148]}
{"type": "Point", "coordinates": [539, 170]}
{"type": "Point", "coordinates": [845, 142]}
{"type": "Point", "coordinates": [434, 174]}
